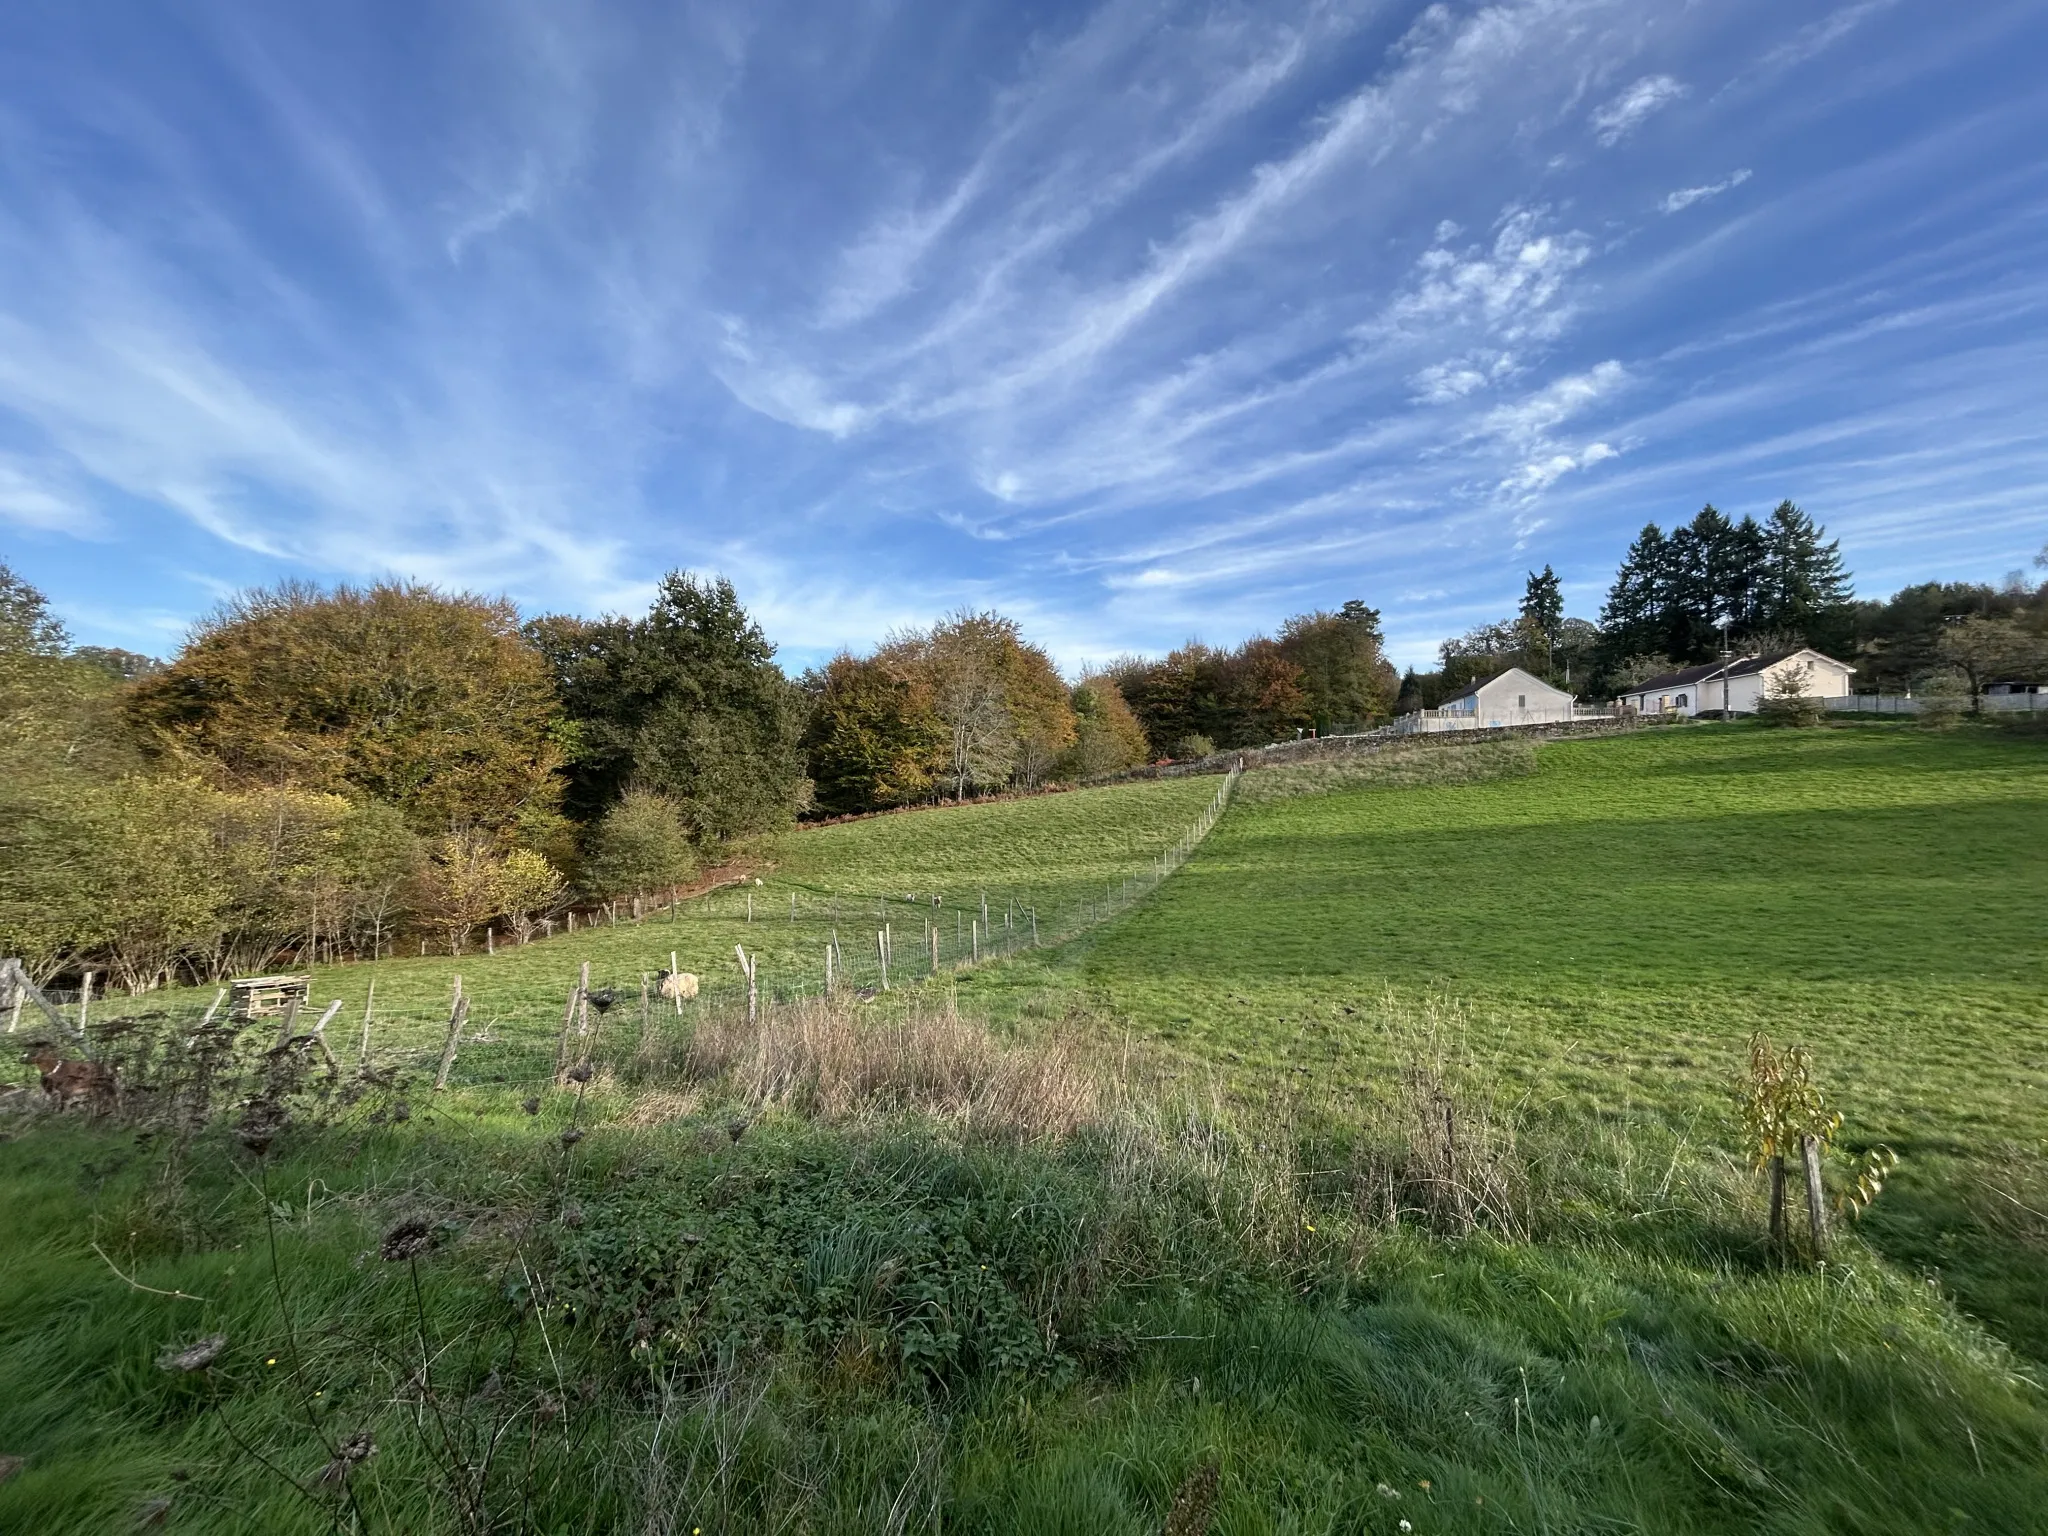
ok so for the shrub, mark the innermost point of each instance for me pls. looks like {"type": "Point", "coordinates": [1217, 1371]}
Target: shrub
{"type": "Point", "coordinates": [1188, 748]}
{"type": "Point", "coordinates": [1940, 711]}
{"type": "Point", "coordinates": [1786, 701]}
{"type": "Point", "coordinates": [640, 845]}
{"type": "Point", "coordinates": [821, 1061]}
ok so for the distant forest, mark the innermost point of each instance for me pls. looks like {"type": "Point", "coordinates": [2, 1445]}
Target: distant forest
{"type": "Point", "coordinates": [332, 772]}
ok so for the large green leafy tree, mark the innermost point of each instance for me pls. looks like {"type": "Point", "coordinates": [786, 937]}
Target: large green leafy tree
{"type": "Point", "coordinates": [686, 702]}
{"type": "Point", "coordinates": [1176, 697]}
{"type": "Point", "coordinates": [1262, 695]}
{"type": "Point", "coordinates": [1003, 705]}
{"type": "Point", "coordinates": [27, 627]}
{"type": "Point", "coordinates": [427, 700]}
{"type": "Point", "coordinates": [875, 738]}
{"type": "Point", "coordinates": [1107, 736]}
{"type": "Point", "coordinates": [1897, 642]}
{"type": "Point", "coordinates": [1345, 675]}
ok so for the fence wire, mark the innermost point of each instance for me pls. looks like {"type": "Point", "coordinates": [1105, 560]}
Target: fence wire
{"type": "Point", "coordinates": [819, 945]}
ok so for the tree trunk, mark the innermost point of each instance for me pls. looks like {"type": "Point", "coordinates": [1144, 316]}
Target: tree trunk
{"type": "Point", "coordinates": [1778, 1206]}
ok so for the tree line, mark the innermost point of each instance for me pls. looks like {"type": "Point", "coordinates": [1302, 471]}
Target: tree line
{"type": "Point", "coordinates": [327, 772]}
{"type": "Point", "coordinates": [970, 705]}
{"type": "Point", "coordinates": [1755, 588]}
{"type": "Point", "coordinates": [322, 773]}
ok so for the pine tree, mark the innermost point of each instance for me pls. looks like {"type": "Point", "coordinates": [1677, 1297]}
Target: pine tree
{"type": "Point", "coordinates": [1803, 578]}
{"type": "Point", "coordinates": [1543, 606]}
{"type": "Point", "coordinates": [1632, 619]}
{"type": "Point", "coordinates": [1745, 575]}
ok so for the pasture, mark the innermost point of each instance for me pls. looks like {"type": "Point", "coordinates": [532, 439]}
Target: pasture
{"type": "Point", "coordinates": [1614, 926]}
{"type": "Point", "coordinates": [1053, 854]}
{"type": "Point", "coordinates": [1378, 1172]}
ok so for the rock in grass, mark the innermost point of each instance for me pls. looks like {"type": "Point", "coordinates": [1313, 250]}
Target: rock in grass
{"type": "Point", "coordinates": [408, 1240]}
{"type": "Point", "coordinates": [194, 1357]}
{"type": "Point", "coordinates": [1194, 1504]}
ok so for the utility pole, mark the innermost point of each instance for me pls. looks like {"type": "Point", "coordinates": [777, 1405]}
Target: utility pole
{"type": "Point", "coordinates": [1726, 661]}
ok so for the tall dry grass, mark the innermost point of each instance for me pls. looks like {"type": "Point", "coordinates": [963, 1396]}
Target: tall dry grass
{"type": "Point", "coordinates": [1435, 1144]}
{"type": "Point", "coordinates": [825, 1061]}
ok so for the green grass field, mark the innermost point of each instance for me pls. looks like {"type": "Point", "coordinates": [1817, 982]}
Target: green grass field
{"type": "Point", "coordinates": [1616, 924]}
{"type": "Point", "coordinates": [1054, 853]}
{"type": "Point", "coordinates": [694, 1314]}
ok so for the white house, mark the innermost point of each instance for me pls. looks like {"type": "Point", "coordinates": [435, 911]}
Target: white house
{"type": "Point", "coordinates": [1514, 697]}
{"type": "Point", "coordinates": [1737, 686]}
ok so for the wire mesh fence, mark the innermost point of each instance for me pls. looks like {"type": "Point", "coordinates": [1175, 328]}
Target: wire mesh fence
{"type": "Point", "coordinates": [788, 946]}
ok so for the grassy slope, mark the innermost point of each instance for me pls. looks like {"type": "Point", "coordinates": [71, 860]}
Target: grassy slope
{"type": "Point", "coordinates": [1618, 922]}
{"type": "Point", "coordinates": [1649, 1376]}
{"type": "Point", "coordinates": [1051, 851]}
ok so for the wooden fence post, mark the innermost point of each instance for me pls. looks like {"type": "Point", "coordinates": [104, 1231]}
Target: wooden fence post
{"type": "Point", "coordinates": [675, 970]}
{"type": "Point", "coordinates": [320, 1037]}
{"type": "Point", "coordinates": [291, 1018]}
{"type": "Point", "coordinates": [1816, 1197]}
{"type": "Point", "coordinates": [751, 969]}
{"type": "Point", "coordinates": [828, 970]}
{"type": "Point", "coordinates": [932, 938]}
{"type": "Point", "coordinates": [568, 1023]}
{"type": "Point", "coordinates": [458, 1015]}
{"type": "Point", "coordinates": [369, 1002]}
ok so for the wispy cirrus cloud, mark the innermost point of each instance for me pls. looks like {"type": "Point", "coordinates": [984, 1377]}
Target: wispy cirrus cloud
{"type": "Point", "coordinates": [1131, 318]}
{"type": "Point", "coordinates": [1685, 197]}
{"type": "Point", "coordinates": [1633, 107]}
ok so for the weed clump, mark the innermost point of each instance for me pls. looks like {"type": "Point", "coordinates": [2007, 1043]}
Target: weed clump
{"type": "Point", "coordinates": [824, 1062]}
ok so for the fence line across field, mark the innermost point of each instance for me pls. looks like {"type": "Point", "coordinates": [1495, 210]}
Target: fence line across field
{"type": "Point", "coordinates": [532, 1044]}
{"type": "Point", "coordinates": [1909, 704]}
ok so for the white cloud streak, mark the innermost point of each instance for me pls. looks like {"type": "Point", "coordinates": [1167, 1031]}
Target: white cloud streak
{"type": "Point", "coordinates": [1175, 316]}
{"type": "Point", "coordinates": [1685, 197]}
{"type": "Point", "coordinates": [1633, 107]}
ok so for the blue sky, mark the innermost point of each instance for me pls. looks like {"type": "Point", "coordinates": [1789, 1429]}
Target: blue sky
{"type": "Point", "coordinates": [1136, 321]}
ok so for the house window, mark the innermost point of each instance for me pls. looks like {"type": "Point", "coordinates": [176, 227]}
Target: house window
{"type": "Point", "coordinates": [1681, 701]}
{"type": "Point", "coordinates": [1521, 701]}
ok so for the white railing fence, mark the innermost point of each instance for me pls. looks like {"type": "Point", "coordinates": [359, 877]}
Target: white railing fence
{"type": "Point", "coordinates": [1906, 704]}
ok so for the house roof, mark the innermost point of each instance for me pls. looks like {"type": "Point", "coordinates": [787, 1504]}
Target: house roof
{"type": "Point", "coordinates": [1681, 677]}
{"type": "Point", "coordinates": [1741, 666]}
{"type": "Point", "coordinates": [1477, 688]}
